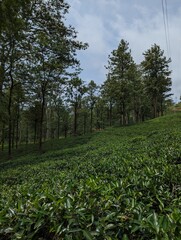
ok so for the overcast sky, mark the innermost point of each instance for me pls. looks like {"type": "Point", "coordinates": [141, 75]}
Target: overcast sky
{"type": "Point", "coordinates": [103, 23]}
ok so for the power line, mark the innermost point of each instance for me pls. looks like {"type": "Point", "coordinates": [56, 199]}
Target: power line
{"type": "Point", "coordinates": [166, 25]}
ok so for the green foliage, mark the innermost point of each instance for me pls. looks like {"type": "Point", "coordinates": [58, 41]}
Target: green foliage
{"type": "Point", "coordinates": [117, 87]}
{"type": "Point", "coordinates": [38, 55]}
{"type": "Point", "coordinates": [121, 183]}
{"type": "Point", "coordinates": [136, 92]}
{"type": "Point", "coordinates": [157, 77]}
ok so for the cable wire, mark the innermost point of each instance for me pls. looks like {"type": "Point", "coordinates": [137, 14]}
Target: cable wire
{"type": "Point", "coordinates": [166, 25]}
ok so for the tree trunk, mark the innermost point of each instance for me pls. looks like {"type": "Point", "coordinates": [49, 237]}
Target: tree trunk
{"type": "Point", "coordinates": [13, 133]}
{"type": "Point", "coordinates": [91, 119]}
{"type": "Point", "coordinates": [136, 110]}
{"type": "Point", "coordinates": [35, 130]}
{"type": "Point", "coordinates": [2, 70]}
{"type": "Point", "coordinates": [27, 134]}
{"type": "Point", "coordinates": [124, 114]}
{"type": "Point", "coordinates": [161, 106]}
{"type": "Point", "coordinates": [10, 116]}
{"type": "Point", "coordinates": [58, 127]}
{"type": "Point", "coordinates": [17, 126]}
{"type": "Point", "coordinates": [2, 139]}
{"type": "Point", "coordinates": [85, 123]}
{"type": "Point", "coordinates": [75, 119]}
{"type": "Point", "coordinates": [127, 118]}
{"type": "Point", "coordinates": [110, 114]}
{"type": "Point", "coordinates": [65, 132]}
{"type": "Point", "coordinates": [155, 107]}
{"type": "Point", "coordinates": [41, 121]}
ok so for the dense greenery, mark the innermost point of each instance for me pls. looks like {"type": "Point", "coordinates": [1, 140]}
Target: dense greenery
{"type": "Point", "coordinates": [37, 57]}
{"type": "Point", "coordinates": [135, 92]}
{"type": "Point", "coordinates": [41, 94]}
{"type": "Point", "coordinates": [103, 183]}
{"type": "Point", "coordinates": [121, 183]}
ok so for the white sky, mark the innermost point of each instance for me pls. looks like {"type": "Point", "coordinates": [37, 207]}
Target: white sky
{"type": "Point", "coordinates": [103, 23]}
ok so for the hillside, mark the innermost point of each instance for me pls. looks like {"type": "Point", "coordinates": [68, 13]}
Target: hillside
{"type": "Point", "coordinates": [120, 183]}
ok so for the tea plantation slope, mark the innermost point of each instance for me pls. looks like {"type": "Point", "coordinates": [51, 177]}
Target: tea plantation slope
{"type": "Point", "coordinates": [121, 183]}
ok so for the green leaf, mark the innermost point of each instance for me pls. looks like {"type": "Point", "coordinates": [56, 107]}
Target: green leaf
{"type": "Point", "coordinates": [156, 223]}
{"type": "Point", "coordinates": [39, 223]}
{"type": "Point", "coordinates": [125, 237]}
{"type": "Point", "coordinates": [135, 229]}
{"type": "Point", "coordinates": [109, 226]}
{"type": "Point", "coordinates": [87, 235]}
{"type": "Point", "coordinates": [8, 230]}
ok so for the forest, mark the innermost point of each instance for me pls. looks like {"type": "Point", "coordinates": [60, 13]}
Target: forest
{"type": "Point", "coordinates": [42, 96]}
{"type": "Point", "coordinates": [82, 160]}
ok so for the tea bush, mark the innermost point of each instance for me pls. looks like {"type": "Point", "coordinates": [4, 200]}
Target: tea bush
{"type": "Point", "coordinates": [121, 183]}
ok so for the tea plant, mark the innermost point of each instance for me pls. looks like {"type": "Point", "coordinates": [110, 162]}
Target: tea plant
{"type": "Point", "coordinates": [121, 183]}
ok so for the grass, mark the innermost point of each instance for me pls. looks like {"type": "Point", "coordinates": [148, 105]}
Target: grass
{"type": "Point", "coordinates": [121, 183]}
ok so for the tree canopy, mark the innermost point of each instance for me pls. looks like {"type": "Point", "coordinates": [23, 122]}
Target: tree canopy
{"type": "Point", "coordinates": [41, 93]}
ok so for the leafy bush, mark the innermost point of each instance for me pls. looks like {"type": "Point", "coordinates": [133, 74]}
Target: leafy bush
{"type": "Point", "coordinates": [122, 183]}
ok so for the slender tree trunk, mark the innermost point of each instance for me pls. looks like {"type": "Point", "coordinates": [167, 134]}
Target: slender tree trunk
{"type": "Point", "coordinates": [65, 127]}
{"type": "Point", "coordinates": [136, 111]}
{"type": "Point", "coordinates": [110, 114]}
{"type": "Point", "coordinates": [13, 133]}
{"type": "Point", "coordinates": [124, 114]}
{"type": "Point", "coordinates": [10, 130]}
{"type": "Point", "coordinates": [45, 127]}
{"type": "Point", "coordinates": [17, 126]}
{"type": "Point", "coordinates": [75, 119]}
{"type": "Point", "coordinates": [41, 121]}
{"type": "Point", "coordinates": [85, 123]}
{"type": "Point", "coordinates": [35, 131]}
{"type": "Point", "coordinates": [17, 132]}
{"type": "Point", "coordinates": [161, 105]}
{"type": "Point", "coordinates": [102, 121]}
{"type": "Point", "coordinates": [91, 119]}
{"type": "Point", "coordinates": [98, 126]}
{"type": "Point", "coordinates": [10, 116]}
{"type": "Point", "coordinates": [27, 134]}
{"type": "Point", "coordinates": [2, 139]}
{"type": "Point", "coordinates": [58, 127]}
{"type": "Point", "coordinates": [121, 116]}
{"type": "Point", "coordinates": [2, 71]}
{"type": "Point", "coordinates": [51, 120]}
{"type": "Point", "coordinates": [1, 80]}
{"type": "Point", "coordinates": [155, 107]}
{"type": "Point", "coordinates": [127, 118]}
{"type": "Point", "coordinates": [65, 132]}
{"type": "Point", "coordinates": [136, 115]}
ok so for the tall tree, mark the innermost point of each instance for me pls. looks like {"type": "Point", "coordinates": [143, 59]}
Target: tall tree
{"type": "Point", "coordinates": [75, 91]}
{"type": "Point", "coordinates": [156, 78]}
{"type": "Point", "coordinates": [37, 53]}
{"type": "Point", "coordinates": [137, 97]}
{"type": "Point", "coordinates": [91, 99]}
{"type": "Point", "coordinates": [12, 27]}
{"type": "Point", "coordinates": [108, 92]}
{"type": "Point", "coordinates": [52, 52]}
{"type": "Point", "coordinates": [118, 67]}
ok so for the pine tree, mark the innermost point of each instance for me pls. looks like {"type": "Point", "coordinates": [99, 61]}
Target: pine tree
{"type": "Point", "coordinates": [117, 85]}
{"type": "Point", "coordinates": [156, 78]}
{"type": "Point", "coordinates": [91, 99]}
